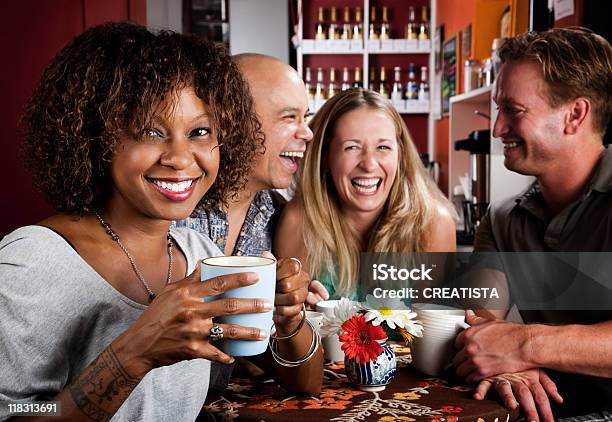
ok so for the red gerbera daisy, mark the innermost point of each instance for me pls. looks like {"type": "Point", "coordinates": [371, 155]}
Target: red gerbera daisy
{"type": "Point", "coordinates": [360, 339]}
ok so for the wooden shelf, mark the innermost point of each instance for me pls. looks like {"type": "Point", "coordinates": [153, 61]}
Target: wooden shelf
{"type": "Point", "coordinates": [476, 95]}
{"type": "Point", "coordinates": [321, 52]}
{"type": "Point", "coordinates": [411, 107]}
{"type": "Point", "coordinates": [399, 46]}
{"type": "Point", "coordinates": [394, 46]}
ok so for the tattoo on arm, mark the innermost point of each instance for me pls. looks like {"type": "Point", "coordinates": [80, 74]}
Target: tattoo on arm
{"type": "Point", "coordinates": [103, 387]}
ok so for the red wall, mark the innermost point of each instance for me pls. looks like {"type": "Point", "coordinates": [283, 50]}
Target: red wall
{"type": "Point", "coordinates": [577, 19]}
{"type": "Point", "coordinates": [455, 16]}
{"type": "Point", "coordinates": [32, 32]}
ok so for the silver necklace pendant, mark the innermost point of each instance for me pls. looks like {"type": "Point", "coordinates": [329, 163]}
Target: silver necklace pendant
{"type": "Point", "coordinates": [114, 236]}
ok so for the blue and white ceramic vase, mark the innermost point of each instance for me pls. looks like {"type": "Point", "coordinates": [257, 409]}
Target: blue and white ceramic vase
{"type": "Point", "coordinates": [375, 375]}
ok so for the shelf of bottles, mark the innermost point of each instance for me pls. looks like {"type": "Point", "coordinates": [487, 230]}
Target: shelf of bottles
{"type": "Point", "coordinates": [411, 96]}
{"type": "Point", "coordinates": [383, 45]}
{"type": "Point", "coordinates": [348, 37]}
{"type": "Point", "coordinates": [334, 38]}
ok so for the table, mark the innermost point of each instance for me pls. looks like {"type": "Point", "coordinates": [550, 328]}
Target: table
{"type": "Point", "coordinates": [411, 396]}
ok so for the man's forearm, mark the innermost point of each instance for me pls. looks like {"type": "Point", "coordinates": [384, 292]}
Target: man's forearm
{"type": "Point", "coordinates": [582, 349]}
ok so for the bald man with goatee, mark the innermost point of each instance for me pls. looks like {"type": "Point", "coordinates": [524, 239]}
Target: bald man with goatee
{"type": "Point", "coordinates": [247, 226]}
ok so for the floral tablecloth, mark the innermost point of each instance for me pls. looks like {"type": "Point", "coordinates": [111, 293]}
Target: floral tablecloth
{"type": "Point", "coordinates": [411, 396]}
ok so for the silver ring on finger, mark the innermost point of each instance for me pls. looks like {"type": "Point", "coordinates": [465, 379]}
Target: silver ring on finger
{"type": "Point", "coordinates": [216, 332]}
{"type": "Point", "coordinates": [499, 383]}
{"type": "Point", "coordinates": [299, 262]}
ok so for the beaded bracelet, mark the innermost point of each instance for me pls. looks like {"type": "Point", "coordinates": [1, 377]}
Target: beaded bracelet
{"type": "Point", "coordinates": [297, 330]}
{"type": "Point", "coordinates": [314, 345]}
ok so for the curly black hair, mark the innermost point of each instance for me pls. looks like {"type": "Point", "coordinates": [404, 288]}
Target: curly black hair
{"type": "Point", "coordinates": [109, 80]}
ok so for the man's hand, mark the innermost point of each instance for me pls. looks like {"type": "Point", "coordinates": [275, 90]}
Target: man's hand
{"type": "Point", "coordinates": [491, 347]}
{"type": "Point", "coordinates": [316, 293]}
{"type": "Point", "coordinates": [531, 389]}
{"type": "Point", "coordinates": [291, 291]}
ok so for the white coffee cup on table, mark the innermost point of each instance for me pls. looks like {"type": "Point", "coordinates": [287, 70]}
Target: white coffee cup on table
{"type": "Point", "coordinates": [315, 318]}
{"type": "Point", "coordinates": [332, 348]}
{"type": "Point", "coordinates": [433, 352]}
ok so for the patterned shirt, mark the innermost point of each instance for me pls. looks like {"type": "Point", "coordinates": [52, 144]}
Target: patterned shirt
{"type": "Point", "coordinates": [257, 231]}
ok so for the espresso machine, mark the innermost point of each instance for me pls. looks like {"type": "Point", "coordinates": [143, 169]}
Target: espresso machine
{"type": "Point", "coordinates": [478, 145]}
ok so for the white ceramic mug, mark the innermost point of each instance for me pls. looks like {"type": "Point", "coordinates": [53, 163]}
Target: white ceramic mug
{"type": "Point", "coordinates": [433, 352]}
{"type": "Point", "coordinates": [315, 318]}
{"type": "Point", "coordinates": [264, 289]}
{"type": "Point", "coordinates": [332, 348]}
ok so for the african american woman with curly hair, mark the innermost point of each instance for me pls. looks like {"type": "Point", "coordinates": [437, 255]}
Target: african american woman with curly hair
{"type": "Point", "coordinates": [101, 305]}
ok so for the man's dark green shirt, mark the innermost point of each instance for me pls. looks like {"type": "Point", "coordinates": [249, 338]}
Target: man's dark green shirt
{"type": "Point", "coordinates": [520, 225]}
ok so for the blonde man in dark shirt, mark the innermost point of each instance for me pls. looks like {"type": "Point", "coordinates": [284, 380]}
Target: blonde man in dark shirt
{"type": "Point", "coordinates": [554, 97]}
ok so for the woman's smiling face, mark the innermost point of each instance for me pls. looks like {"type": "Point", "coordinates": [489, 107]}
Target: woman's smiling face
{"type": "Point", "coordinates": [363, 159]}
{"type": "Point", "coordinates": [164, 172]}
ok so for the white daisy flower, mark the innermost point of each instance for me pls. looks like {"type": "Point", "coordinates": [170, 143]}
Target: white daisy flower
{"type": "Point", "coordinates": [385, 303]}
{"type": "Point", "coordinates": [414, 327]}
{"type": "Point", "coordinates": [394, 313]}
{"type": "Point", "coordinates": [344, 311]}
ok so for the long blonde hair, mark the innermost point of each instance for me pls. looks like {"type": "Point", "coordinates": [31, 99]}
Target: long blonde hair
{"type": "Point", "coordinates": [330, 243]}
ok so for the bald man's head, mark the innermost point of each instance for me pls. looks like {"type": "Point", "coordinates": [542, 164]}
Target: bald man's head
{"type": "Point", "coordinates": [256, 60]}
{"type": "Point", "coordinates": [265, 73]}
{"type": "Point", "coordinates": [281, 105]}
